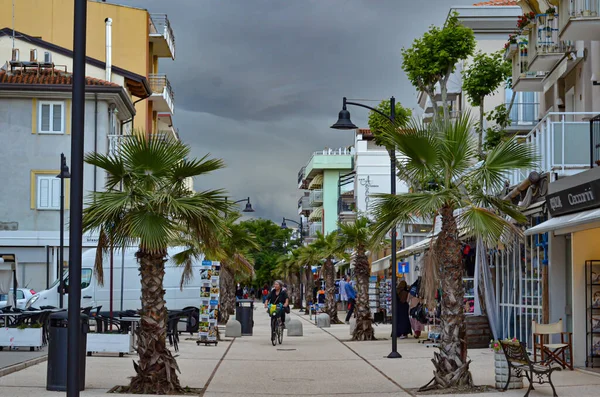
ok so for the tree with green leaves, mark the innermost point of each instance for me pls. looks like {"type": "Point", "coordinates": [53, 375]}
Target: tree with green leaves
{"type": "Point", "coordinates": [483, 77]}
{"type": "Point", "coordinates": [377, 122]}
{"type": "Point", "coordinates": [309, 256]}
{"type": "Point", "coordinates": [464, 195]}
{"type": "Point", "coordinates": [152, 208]}
{"type": "Point", "coordinates": [357, 236]}
{"type": "Point", "coordinates": [328, 248]}
{"type": "Point", "coordinates": [432, 59]}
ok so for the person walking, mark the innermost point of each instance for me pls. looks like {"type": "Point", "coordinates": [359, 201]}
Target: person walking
{"type": "Point", "coordinates": [265, 292]}
{"type": "Point", "coordinates": [351, 296]}
{"type": "Point", "coordinates": [239, 292]}
{"type": "Point", "coordinates": [343, 295]}
{"type": "Point", "coordinates": [402, 320]}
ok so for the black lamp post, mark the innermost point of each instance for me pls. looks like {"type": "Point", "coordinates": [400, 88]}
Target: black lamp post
{"type": "Point", "coordinates": [344, 123]}
{"type": "Point", "coordinates": [76, 210]}
{"type": "Point", "coordinates": [64, 174]}
{"type": "Point", "coordinates": [248, 205]}
{"type": "Point", "coordinates": [284, 226]}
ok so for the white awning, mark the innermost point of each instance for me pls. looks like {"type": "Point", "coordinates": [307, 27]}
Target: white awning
{"type": "Point", "coordinates": [568, 223]}
{"type": "Point", "coordinates": [384, 263]}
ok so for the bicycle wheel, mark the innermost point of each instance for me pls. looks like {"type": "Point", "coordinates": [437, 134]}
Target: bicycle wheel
{"type": "Point", "coordinates": [280, 331]}
{"type": "Point", "coordinates": [274, 331]}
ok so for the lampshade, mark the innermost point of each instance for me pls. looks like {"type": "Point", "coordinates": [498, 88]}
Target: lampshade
{"type": "Point", "coordinates": [344, 122]}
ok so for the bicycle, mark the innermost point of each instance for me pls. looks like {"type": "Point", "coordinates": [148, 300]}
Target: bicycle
{"type": "Point", "coordinates": [276, 323]}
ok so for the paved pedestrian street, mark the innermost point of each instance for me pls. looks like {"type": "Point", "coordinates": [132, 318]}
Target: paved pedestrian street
{"type": "Point", "coordinates": [323, 362]}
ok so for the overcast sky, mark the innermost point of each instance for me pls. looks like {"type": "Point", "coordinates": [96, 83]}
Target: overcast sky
{"type": "Point", "coordinates": [258, 82]}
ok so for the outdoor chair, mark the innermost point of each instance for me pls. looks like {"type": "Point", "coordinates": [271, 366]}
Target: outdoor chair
{"type": "Point", "coordinates": [518, 359]}
{"type": "Point", "coordinates": [562, 352]}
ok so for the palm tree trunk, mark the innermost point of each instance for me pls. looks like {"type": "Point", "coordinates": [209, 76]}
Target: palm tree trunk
{"type": "Point", "coordinates": [330, 304]}
{"type": "Point", "coordinates": [451, 363]}
{"type": "Point", "coordinates": [310, 285]}
{"type": "Point", "coordinates": [156, 370]}
{"type": "Point", "coordinates": [298, 297]}
{"type": "Point", "coordinates": [227, 294]}
{"type": "Point", "coordinates": [364, 323]}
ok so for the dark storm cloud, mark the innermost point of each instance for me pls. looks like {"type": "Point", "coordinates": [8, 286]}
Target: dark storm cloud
{"type": "Point", "coordinates": [258, 82]}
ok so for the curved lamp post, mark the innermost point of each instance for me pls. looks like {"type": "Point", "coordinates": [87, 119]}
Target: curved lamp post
{"type": "Point", "coordinates": [248, 205]}
{"type": "Point", "coordinates": [284, 226]}
{"type": "Point", "coordinates": [344, 123]}
{"type": "Point", "coordinates": [64, 174]}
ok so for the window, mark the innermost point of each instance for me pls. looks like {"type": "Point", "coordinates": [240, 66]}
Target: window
{"type": "Point", "coordinates": [51, 117]}
{"type": "Point", "coordinates": [48, 192]}
{"type": "Point", "coordinates": [86, 278]}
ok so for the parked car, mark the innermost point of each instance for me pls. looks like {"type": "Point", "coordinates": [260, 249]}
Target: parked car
{"type": "Point", "coordinates": [23, 295]}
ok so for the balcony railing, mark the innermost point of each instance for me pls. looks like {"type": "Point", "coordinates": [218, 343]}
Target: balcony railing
{"type": "Point", "coordinates": [523, 113]}
{"type": "Point", "coordinates": [304, 204]}
{"type": "Point", "coordinates": [524, 79]}
{"type": "Point", "coordinates": [166, 135]}
{"type": "Point", "coordinates": [346, 205]}
{"type": "Point", "coordinates": [301, 175]}
{"type": "Point", "coordinates": [162, 87]}
{"type": "Point", "coordinates": [315, 197]}
{"type": "Point", "coordinates": [595, 142]}
{"type": "Point", "coordinates": [584, 14]}
{"type": "Point", "coordinates": [547, 49]}
{"type": "Point", "coordinates": [562, 144]}
{"type": "Point", "coordinates": [114, 144]}
{"type": "Point", "coordinates": [314, 227]}
{"type": "Point", "coordinates": [159, 25]}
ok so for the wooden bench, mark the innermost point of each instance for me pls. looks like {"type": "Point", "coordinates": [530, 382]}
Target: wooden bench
{"type": "Point", "coordinates": [518, 359]}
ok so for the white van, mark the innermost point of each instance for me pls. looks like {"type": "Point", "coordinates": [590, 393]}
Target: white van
{"type": "Point", "coordinates": [92, 294]}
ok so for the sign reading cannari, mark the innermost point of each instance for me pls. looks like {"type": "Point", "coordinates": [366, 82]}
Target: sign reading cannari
{"type": "Point", "coordinates": [209, 300]}
{"type": "Point", "coordinates": [582, 197]}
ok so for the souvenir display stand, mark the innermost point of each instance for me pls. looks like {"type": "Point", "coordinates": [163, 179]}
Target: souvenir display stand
{"type": "Point", "coordinates": [592, 297]}
{"type": "Point", "coordinates": [209, 302]}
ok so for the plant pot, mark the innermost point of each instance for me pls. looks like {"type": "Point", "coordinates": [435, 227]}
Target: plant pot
{"type": "Point", "coordinates": [501, 370]}
{"type": "Point", "coordinates": [587, 13]}
{"type": "Point", "coordinates": [550, 17]}
{"type": "Point", "coordinates": [16, 337]}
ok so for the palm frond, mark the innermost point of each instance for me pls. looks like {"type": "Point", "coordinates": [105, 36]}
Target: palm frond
{"type": "Point", "coordinates": [496, 203]}
{"type": "Point", "coordinates": [481, 222]}
{"type": "Point", "coordinates": [457, 147]}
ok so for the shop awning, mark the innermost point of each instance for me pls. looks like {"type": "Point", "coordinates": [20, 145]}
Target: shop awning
{"type": "Point", "coordinates": [316, 215]}
{"type": "Point", "coordinates": [568, 223]}
{"type": "Point", "coordinates": [317, 182]}
{"type": "Point", "coordinates": [384, 263]}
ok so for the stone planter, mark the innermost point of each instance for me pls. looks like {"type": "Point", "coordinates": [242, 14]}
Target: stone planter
{"type": "Point", "coordinates": [16, 337]}
{"type": "Point", "coordinates": [501, 368]}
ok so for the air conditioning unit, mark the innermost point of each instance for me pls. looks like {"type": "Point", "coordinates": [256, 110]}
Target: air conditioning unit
{"type": "Point", "coordinates": [33, 55]}
{"type": "Point", "coordinates": [47, 57]}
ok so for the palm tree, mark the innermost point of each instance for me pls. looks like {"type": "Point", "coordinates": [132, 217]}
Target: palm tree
{"type": "Point", "coordinates": [309, 256]}
{"type": "Point", "coordinates": [357, 236]}
{"type": "Point", "coordinates": [446, 154]}
{"type": "Point", "coordinates": [328, 248]}
{"type": "Point", "coordinates": [150, 210]}
{"type": "Point", "coordinates": [289, 269]}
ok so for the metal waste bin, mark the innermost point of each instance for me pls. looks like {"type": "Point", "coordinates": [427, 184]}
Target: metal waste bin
{"type": "Point", "coordinates": [57, 351]}
{"type": "Point", "coordinates": [244, 313]}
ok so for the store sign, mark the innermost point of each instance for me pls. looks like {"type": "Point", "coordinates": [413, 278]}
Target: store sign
{"type": "Point", "coordinates": [575, 199]}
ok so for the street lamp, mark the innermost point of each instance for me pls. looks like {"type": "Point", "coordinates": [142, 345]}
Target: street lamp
{"type": "Point", "coordinates": [64, 174]}
{"type": "Point", "coordinates": [248, 205]}
{"type": "Point", "coordinates": [284, 226]}
{"type": "Point", "coordinates": [344, 123]}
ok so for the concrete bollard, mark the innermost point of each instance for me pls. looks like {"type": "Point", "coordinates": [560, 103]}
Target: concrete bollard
{"type": "Point", "coordinates": [352, 325]}
{"type": "Point", "coordinates": [323, 320]}
{"type": "Point", "coordinates": [294, 328]}
{"type": "Point", "coordinates": [288, 318]}
{"type": "Point", "coordinates": [233, 328]}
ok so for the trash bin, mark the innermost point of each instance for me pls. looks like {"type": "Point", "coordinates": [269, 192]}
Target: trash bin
{"type": "Point", "coordinates": [57, 351]}
{"type": "Point", "coordinates": [244, 313]}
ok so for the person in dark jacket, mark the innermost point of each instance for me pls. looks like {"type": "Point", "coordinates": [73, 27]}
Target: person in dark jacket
{"type": "Point", "coordinates": [403, 327]}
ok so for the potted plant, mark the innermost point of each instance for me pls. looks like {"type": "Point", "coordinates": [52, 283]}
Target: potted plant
{"type": "Point", "coordinates": [511, 46]}
{"type": "Point", "coordinates": [501, 367]}
{"type": "Point", "coordinates": [550, 13]}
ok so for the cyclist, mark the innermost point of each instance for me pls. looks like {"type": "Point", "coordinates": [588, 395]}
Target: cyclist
{"type": "Point", "coordinates": [279, 296]}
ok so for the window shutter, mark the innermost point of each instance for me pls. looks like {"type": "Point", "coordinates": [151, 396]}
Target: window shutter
{"type": "Point", "coordinates": [43, 193]}
{"type": "Point", "coordinates": [45, 124]}
{"type": "Point", "coordinates": [57, 118]}
{"type": "Point", "coordinates": [55, 197]}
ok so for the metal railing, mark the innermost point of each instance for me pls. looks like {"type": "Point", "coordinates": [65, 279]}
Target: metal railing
{"type": "Point", "coordinates": [315, 197]}
{"type": "Point", "coordinates": [314, 227]}
{"type": "Point", "coordinates": [561, 141]}
{"type": "Point", "coordinates": [595, 142]}
{"type": "Point", "coordinates": [524, 113]}
{"type": "Point", "coordinates": [301, 175]}
{"type": "Point", "coordinates": [577, 9]}
{"type": "Point", "coordinates": [159, 24]}
{"type": "Point", "coordinates": [545, 38]}
{"type": "Point", "coordinates": [304, 203]}
{"type": "Point", "coordinates": [346, 205]}
{"type": "Point", "coordinates": [160, 85]}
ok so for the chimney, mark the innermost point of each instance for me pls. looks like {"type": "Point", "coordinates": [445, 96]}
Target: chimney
{"type": "Point", "coordinates": [33, 55]}
{"type": "Point", "coordinates": [108, 22]}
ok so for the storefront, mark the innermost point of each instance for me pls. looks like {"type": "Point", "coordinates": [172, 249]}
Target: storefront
{"type": "Point", "coordinates": [573, 242]}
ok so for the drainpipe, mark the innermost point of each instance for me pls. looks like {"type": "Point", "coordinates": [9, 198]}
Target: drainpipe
{"type": "Point", "coordinates": [108, 22]}
{"type": "Point", "coordinates": [95, 135]}
{"type": "Point", "coordinates": [594, 54]}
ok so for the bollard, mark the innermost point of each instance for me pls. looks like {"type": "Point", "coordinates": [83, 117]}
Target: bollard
{"type": "Point", "coordinates": [323, 320]}
{"type": "Point", "coordinates": [294, 328]}
{"type": "Point", "coordinates": [233, 328]}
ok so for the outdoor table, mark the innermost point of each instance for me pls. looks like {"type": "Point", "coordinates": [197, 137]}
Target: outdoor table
{"type": "Point", "coordinates": [8, 319]}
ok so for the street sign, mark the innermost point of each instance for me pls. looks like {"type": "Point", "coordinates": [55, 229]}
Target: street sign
{"type": "Point", "coordinates": [403, 267]}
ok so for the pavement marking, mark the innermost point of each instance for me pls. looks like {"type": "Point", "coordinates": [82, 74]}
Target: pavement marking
{"type": "Point", "coordinates": [212, 375]}
{"type": "Point", "coordinates": [362, 358]}
{"type": "Point", "coordinates": [22, 365]}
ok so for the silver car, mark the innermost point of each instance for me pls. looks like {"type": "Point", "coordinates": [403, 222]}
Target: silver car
{"type": "Point", "coordinates": [23, 295]}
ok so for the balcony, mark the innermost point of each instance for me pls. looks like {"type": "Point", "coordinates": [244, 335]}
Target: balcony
{"type": "Point", "coordinates": [304, 206]}
{"type": "Point", "coordinates": [161, 36]}
{"type": "Point", "coordinates": [114, 144]}
{"type": "Point", "coordinates": [547, 50]}
{"type": "Point", "coordinates": [315, 198]}
{"type": "Point", "coordinates": [301, 178]}
{"type": "Point", "coordinates": [562, 143]}
{"type": "Point", "coordinates": [329, 159]}
{"type": "Point", "coordinates": [522, 78]}
{"type": "Point", "coordinates": [314, 227]}
{"type": "Point", "coordinates": [579, 20]}
{"type": "Point", "coordinates": [346, 209]}
{"type": "Point", "coordinates": [163, 97]}
{"type": "Point", "coordinates": [523, 114]}
{"type": "Point", "coordinates": [166, 135]}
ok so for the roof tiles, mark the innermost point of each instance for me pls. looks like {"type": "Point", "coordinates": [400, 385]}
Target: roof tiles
{"type": "Point", "coordinates": [498, 3]}
{"type": "Point", "coordinates": [47, 77]}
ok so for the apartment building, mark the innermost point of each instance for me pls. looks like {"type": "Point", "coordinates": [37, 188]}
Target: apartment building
{"type": "Point", "coordinates": [139, 40]}
{"type": "Point", "coordinates": [492, 22]}
{"type": "Point", "coordinates": [35, 122]}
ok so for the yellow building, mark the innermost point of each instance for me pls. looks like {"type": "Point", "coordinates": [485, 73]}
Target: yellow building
{"type": "Point", "coordinates": [139, 39]}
